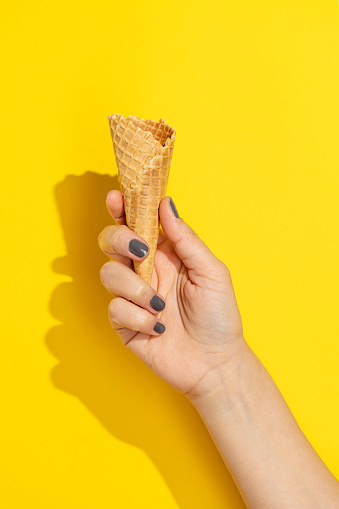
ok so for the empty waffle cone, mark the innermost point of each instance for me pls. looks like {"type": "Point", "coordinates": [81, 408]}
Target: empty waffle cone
{"type": "Point", "coordinates": [143, 151]}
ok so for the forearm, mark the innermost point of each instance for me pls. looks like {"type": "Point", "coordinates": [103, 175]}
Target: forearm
{"type": "Point", "coordinates": [267, 454]}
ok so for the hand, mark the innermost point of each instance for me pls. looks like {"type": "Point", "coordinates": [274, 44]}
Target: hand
{"type": "Point", "coordinates": [199, 329]}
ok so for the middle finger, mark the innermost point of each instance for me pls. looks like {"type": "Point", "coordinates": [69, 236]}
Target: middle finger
{"type": "Point", "coordinates": [122, 281]}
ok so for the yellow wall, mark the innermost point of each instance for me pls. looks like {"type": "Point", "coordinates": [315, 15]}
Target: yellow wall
{"type": "Point", "coordinates": [252, 88]}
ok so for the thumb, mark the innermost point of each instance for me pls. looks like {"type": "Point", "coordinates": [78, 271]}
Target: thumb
{"type": "Point", "coordinates": [194, 253]}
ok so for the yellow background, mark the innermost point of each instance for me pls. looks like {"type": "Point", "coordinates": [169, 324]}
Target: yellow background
{"type": "Point", "coordinates": [252, 90]}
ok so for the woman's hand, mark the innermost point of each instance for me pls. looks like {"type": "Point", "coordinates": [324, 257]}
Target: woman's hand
{"type": "Point", "coordinates": [189, 326]}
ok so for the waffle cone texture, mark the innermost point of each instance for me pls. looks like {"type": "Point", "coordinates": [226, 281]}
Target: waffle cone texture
{"type": "Point", "coordinates": [143, 151]}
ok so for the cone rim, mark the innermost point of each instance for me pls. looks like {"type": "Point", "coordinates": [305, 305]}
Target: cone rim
{"type": "Point", "coordinates": [169, 139]}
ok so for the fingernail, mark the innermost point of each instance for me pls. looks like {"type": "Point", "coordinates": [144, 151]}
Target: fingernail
{"type": "Point", "coordinates": [108, 192]}
{"type": "Point", "coordinates": [174, 208]}
{"type": "Point", "coordinates": [138, 248]}
{"type": "Point", "coordinates": [157, 303]}
{"type": "Point", "coordinates": [159, 328]}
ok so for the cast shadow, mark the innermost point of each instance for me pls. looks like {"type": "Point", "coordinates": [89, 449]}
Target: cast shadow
{"type": "Point", "coordinates": [125, 396]}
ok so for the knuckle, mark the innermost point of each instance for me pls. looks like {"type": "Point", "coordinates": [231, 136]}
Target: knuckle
{"type": "Point", "coordinates": [106, 271]}
{"type": "Point", "coordinates": [118, 233]}
{"type": "Point", "coordinates": [138, 292]}
{"type": "Point", "coordinates": [186, 234]}
{"type": "Point", "coordinates": [114, 308]}
{"type": "Point", "coordinates": [102, 235]}
{"type": "Point", "coordinates": [109, 237]}
{"type": "Point", "coordinates": [99, 238]}
{"type": "Point", "coordinates": [114, 266]}
{"type": "Point", "coordinates": [143, 319]}
{"type": "Point", "coordinates": [190, 232]}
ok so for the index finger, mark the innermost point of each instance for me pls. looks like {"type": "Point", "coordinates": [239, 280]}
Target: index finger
{"type": "Point", "coordinates": [115, 205]}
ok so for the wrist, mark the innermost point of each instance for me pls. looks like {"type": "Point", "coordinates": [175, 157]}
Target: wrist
{"type": "Point", "coordinates": [227, 382]}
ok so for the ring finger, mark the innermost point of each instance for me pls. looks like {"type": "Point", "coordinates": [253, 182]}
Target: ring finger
{"type": "Point", "coordinates": [123, 313]}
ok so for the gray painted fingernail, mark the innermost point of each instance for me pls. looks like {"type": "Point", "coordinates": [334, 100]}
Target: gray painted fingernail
{"type": "Point", "coordinates": [159, 328]}
{"type": "Point", "coordinates": [138, 248]}
{"type": "Point", "coordinates": [157, 303]}
{"type": "Point", "coordinates": [174, 208]}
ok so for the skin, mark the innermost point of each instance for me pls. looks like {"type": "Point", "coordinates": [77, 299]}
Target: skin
{"type": "Point", "coordinates": [204, 355]}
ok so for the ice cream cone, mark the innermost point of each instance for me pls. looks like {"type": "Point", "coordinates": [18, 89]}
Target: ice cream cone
{"type": "Point", "coordinates": [143, 151]}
